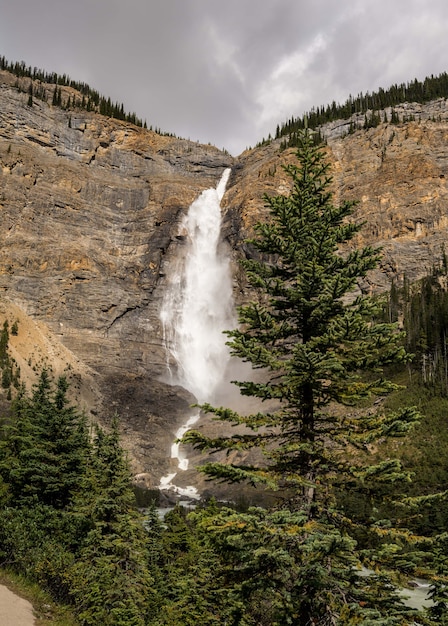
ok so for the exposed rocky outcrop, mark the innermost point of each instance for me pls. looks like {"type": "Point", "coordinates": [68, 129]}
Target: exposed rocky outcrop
{"type": "Point", "coordinates": [89, 215]}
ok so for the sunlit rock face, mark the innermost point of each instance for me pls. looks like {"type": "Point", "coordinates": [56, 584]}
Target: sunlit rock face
{"type": "Point", "coordinates": [90, 212]}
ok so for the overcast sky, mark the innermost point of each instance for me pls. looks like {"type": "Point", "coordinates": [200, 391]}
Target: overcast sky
{"type": "Point", "coordinates": [228, 72]}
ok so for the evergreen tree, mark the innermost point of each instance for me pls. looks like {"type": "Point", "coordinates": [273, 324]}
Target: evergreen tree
{"type": "Point", "coordinates": [110, 582]}
{"type": "Point", "coordinates": [42, 463]}
{"type": "Point", "coordinates": [439, 588]}
{"type": "Point", "coordinates": [195, 585]}
{"type": "Point", "coordinates": [30, 95]}
{"type": "Point", "coordinates": [46, 445]}
{"type": "Point", "coordinates": [317, 348]}
{"type": "Point", "coordinates": [4, 340]}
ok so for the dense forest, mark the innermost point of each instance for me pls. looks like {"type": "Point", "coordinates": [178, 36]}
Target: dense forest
{"type": "Point", "coordinates": [351, 454]}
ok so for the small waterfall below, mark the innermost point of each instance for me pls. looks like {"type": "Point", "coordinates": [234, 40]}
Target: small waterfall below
{"type": "Point", "coordinates": [197, 308]}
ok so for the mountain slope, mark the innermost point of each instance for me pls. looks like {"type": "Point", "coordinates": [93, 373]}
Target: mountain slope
{"type": "Point", "coordinates": [90, 209]}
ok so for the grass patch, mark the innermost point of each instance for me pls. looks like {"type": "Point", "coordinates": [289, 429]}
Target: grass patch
{"type": "Point", "coordinates": [425, 449]}
{"type": "Point", "coordinates": [47, 613]}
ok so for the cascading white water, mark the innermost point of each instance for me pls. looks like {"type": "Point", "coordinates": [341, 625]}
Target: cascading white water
{"type": "Point", "coordinates": [197, 308]}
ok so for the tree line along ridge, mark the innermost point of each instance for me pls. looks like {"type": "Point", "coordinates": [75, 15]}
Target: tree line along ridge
{"type": "Point", "coordinates": [87, 98]}
{"type": "Point", "coordinates": [369, 105]}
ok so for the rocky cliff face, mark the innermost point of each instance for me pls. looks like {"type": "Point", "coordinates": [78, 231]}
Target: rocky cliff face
{"type": "Point", "coordinates": [89, 214]}
{"type": "Point", "coordinates": [89, 208]}
{"type": "Point", "coordinates": [397, 174]}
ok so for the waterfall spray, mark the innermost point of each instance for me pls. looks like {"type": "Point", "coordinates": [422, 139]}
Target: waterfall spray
{"type": "Point", "coordinates": [198, 307]}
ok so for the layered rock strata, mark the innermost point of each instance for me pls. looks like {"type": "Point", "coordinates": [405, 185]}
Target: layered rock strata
{"type": "Point", "coordinates": [89, 210]}
{"type": "Point", "coordinates": [89, 216]}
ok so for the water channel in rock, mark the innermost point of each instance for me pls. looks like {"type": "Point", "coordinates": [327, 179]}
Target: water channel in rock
{"type": "Point", "coordinates": [197, 307]}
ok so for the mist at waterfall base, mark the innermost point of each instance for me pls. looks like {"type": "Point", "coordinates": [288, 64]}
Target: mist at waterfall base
{"type": "Point", "coordinates": [197, 308]}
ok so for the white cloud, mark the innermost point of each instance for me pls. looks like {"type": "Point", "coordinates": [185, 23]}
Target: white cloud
{"type": "Point", "coordinates": [285, 90]}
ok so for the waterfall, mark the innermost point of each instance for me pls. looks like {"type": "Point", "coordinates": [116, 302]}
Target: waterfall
{"type": "Point", "coordinates": [197, 308]}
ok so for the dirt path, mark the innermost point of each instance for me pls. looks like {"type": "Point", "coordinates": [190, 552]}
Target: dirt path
{"type": "Point", "coordinates": [14, 611]}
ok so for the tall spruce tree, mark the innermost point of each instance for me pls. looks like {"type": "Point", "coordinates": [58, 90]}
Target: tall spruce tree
{"type": "Point", "coordinates": [319, 351]}
{"type": "Point", "coordinates": [110, 581]}
{"type": "Point", "coordinates": [43, 456]}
